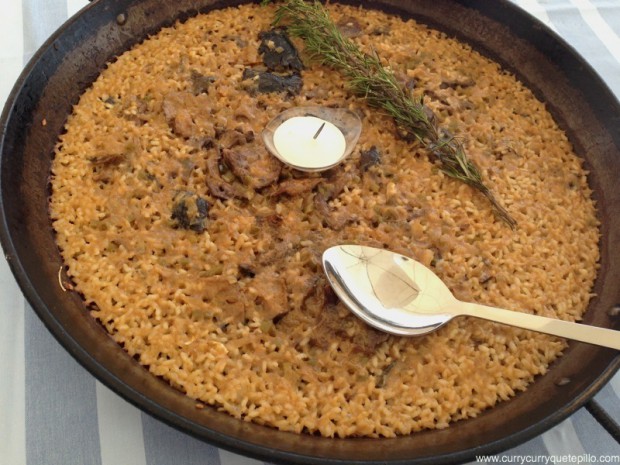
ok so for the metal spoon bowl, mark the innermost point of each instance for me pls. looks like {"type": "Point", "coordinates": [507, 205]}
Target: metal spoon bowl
{"type": "Point", "coordinates": [400, 296]}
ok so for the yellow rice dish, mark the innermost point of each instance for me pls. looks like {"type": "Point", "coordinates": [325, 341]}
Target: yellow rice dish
{"type": "Point", "coordinates": [200, 253]}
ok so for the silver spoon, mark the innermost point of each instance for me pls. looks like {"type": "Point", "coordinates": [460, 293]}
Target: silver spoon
{"type": "Point", "coordinates": [400, 296]}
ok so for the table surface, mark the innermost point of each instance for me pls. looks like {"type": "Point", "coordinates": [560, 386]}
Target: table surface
{"type": "Point", "coordinates": [54, 412]}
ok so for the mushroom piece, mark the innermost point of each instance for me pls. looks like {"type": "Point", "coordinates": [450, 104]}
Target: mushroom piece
{"type": "Point", "coordinates": [190, 211]}
{"type": "Point", "coordinates": [279, 53]}
{"type": "Point", "coordinates": [253, 164]}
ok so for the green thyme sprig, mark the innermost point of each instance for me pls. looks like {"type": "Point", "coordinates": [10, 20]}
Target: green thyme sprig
{"type": "Point", "coordinates": [368, 78]}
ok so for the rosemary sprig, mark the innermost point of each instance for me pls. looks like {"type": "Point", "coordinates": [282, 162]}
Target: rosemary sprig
{"type": "Point", "coordinates": [368, 78]}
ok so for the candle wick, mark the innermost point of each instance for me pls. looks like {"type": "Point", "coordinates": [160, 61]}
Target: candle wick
{"type": "Point", "coordinates": [319, 131]}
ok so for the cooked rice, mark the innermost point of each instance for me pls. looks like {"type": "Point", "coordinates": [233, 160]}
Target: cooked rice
{"type": "Point", "coordinates": [318, 369]}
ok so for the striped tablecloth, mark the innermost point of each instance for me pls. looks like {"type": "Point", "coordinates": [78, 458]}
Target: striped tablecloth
{"type": "Point", "coordinates": [53, 412]}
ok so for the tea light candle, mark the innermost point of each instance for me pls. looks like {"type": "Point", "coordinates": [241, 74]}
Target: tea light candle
{"type": "Point", "coordinates": [309, 142]}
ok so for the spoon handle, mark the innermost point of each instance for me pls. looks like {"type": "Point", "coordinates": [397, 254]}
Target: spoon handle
{"type": "Point", "coordinates": [576, 331]}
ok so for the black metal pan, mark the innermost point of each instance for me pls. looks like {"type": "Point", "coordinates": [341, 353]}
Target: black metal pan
{"type": "Point", "coordinates": [72, 58]}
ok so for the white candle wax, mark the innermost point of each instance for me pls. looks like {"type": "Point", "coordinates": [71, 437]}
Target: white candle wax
{"type": "Point", "coordinates": [296, 143]}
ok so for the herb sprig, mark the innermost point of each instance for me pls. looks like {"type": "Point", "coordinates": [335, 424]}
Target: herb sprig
{"type": "Point", "coordinates": [368, 78]}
